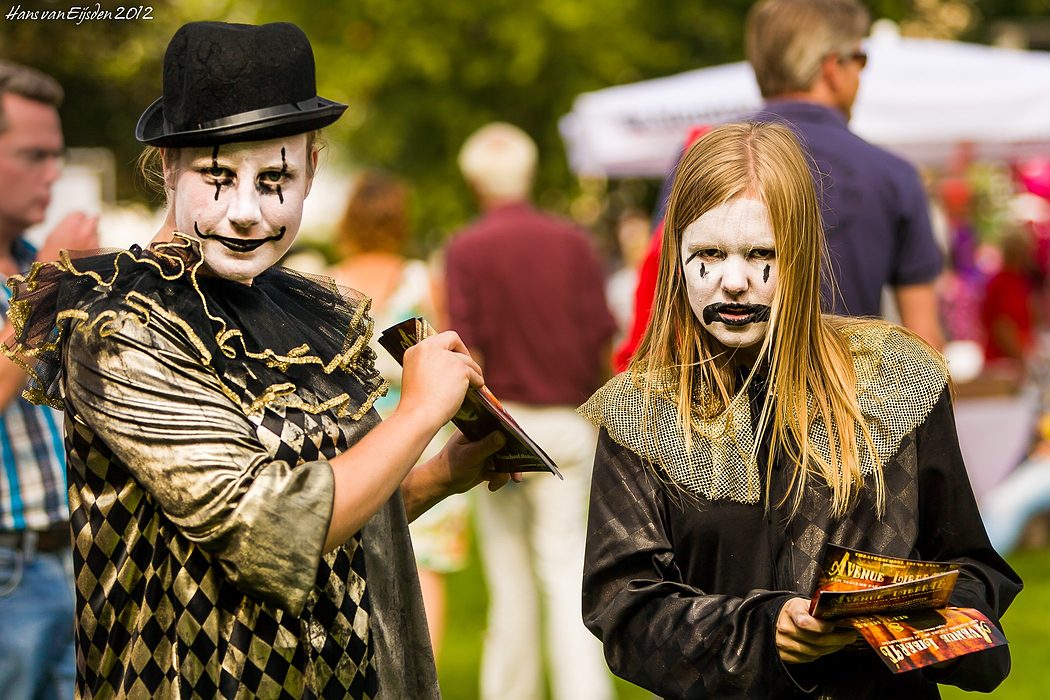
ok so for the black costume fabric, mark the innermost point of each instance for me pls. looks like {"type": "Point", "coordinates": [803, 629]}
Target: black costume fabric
{"type": "Point", "coordinates": [684, 591]}
{"type": "Point", "coordinates": [200, 415]}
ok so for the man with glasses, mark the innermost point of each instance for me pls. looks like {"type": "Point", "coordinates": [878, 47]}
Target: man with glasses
{"type": "Point", "coordinates": [36, 595]}
{"type": "Point", "coordinates": [808, 58]}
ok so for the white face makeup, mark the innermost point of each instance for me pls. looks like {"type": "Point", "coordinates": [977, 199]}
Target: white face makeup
{"type": "Point", "coordinates": [730, 266]}
{"type": "Point", "coordinates": [244, 201]}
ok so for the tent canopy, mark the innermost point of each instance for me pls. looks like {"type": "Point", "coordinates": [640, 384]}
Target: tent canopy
{"type": "Point", "coordinates": [918, 97]}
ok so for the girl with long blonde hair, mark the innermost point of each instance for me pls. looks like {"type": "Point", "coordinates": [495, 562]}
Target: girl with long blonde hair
{"type": "Point", "coordinates": [749, 432]}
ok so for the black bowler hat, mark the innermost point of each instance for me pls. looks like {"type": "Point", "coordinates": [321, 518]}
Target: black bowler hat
{"type": "Point", "coordinates": [236, 82]}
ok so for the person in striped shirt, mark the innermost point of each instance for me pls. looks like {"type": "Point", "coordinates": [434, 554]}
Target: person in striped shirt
{"type": "Point", "coordinates": [36, 594]}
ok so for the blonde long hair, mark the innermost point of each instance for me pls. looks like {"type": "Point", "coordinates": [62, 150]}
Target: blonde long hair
{"type": "Point", "coordinates": [811, 376]}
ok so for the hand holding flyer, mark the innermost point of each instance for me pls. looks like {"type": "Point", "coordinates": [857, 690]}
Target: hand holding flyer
{"type": "Point", "coordinates": [898, 606]}
{"type": "Point", "coordinates": [481, 412]}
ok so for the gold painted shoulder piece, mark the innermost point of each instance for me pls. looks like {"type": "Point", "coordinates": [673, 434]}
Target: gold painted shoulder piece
{"type": "Point", "coordinates": [899, 379]}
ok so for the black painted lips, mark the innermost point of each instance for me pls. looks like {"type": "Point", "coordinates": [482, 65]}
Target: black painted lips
{"type": "Point", "coordinates": [240, 245]}
{"type": "Point", "coordinates": [743, 313]}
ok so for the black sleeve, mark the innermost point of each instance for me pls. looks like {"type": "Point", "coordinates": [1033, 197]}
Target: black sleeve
{"type": "Point", "coordinates": [659, 632]}
{"type": "Point", "coordinates": [950, 529]}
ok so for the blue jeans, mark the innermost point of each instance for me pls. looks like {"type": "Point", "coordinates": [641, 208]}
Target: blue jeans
{"type": "Point", "coordinates": [1007, 508]}
{"type": "Point", "coordinates": [37, 658]}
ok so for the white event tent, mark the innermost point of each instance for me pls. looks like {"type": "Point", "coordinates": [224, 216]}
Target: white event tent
{"type": "Point", "coordinates": [918, 97]}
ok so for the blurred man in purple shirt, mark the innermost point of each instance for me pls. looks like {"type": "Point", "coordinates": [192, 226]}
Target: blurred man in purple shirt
{"type": "Point", "coordinates": [807, 57]}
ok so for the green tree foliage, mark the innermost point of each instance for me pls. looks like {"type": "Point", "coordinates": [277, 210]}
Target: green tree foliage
{"type": "Point", "coordinates": [419, 75]}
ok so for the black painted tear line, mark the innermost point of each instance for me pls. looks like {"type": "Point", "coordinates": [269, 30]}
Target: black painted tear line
{"type": "Point", "coordinates": [215, 164]}
{"type": "Point", "coordinates": [284, 172]}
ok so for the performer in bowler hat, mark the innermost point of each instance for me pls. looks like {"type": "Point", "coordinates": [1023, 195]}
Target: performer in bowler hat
{"type": "Point", "coordinates": [238, 509]}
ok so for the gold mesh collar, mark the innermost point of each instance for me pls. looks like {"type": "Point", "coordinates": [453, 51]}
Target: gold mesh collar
{"type": "Point", "coordinates": [898, 382]}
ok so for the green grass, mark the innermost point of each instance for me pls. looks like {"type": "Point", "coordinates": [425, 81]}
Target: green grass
{"type": "Point", "coordinates": [461, 657]}
{"type": "Point", "coordinates": [1027, 625]}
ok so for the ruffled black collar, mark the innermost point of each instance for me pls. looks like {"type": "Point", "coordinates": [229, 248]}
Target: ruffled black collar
{"type": "Point", "coordinates": [288, 338]}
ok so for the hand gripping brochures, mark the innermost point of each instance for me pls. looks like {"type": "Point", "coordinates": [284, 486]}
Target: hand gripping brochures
{"type": "Point", "coordinates": [898, 606]}
{"type": "Point", "coordinates": [481, 412]}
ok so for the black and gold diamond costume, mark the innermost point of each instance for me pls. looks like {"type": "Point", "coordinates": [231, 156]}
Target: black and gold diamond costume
{"type": "Point", "coordinates": [686, 569]}
{"type": "Point", "coordinates": [200, 415]}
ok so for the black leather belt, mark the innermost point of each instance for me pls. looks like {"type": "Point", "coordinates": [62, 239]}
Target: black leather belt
{"type": "Point", "coordinates": [29, 541]}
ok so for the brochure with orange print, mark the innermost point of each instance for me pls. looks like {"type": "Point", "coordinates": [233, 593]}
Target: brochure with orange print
{"type": "Point", "coordinates": [899, 607]}
{"type": "Point", "coordinates": [912, 640]}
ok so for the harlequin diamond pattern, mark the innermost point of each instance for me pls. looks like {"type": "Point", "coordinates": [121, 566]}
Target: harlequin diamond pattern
{"type": "Point", "coordinates": [157, 619]}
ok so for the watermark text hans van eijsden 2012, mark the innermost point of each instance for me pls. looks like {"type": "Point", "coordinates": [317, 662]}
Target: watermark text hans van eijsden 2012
{"type": "Point", "coordinates": [78, 14]}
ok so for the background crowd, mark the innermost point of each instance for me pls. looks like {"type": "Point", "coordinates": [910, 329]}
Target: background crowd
{"type": "Point", "coordinates": [445, 193]}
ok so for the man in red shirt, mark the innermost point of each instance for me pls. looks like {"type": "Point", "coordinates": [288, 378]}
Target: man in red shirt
{"type": "Point", "coordinates": [526, 294]}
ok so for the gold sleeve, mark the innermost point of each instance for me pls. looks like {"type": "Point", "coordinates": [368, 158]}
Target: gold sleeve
{"type": "Point", "coordinates": [148, 394]}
